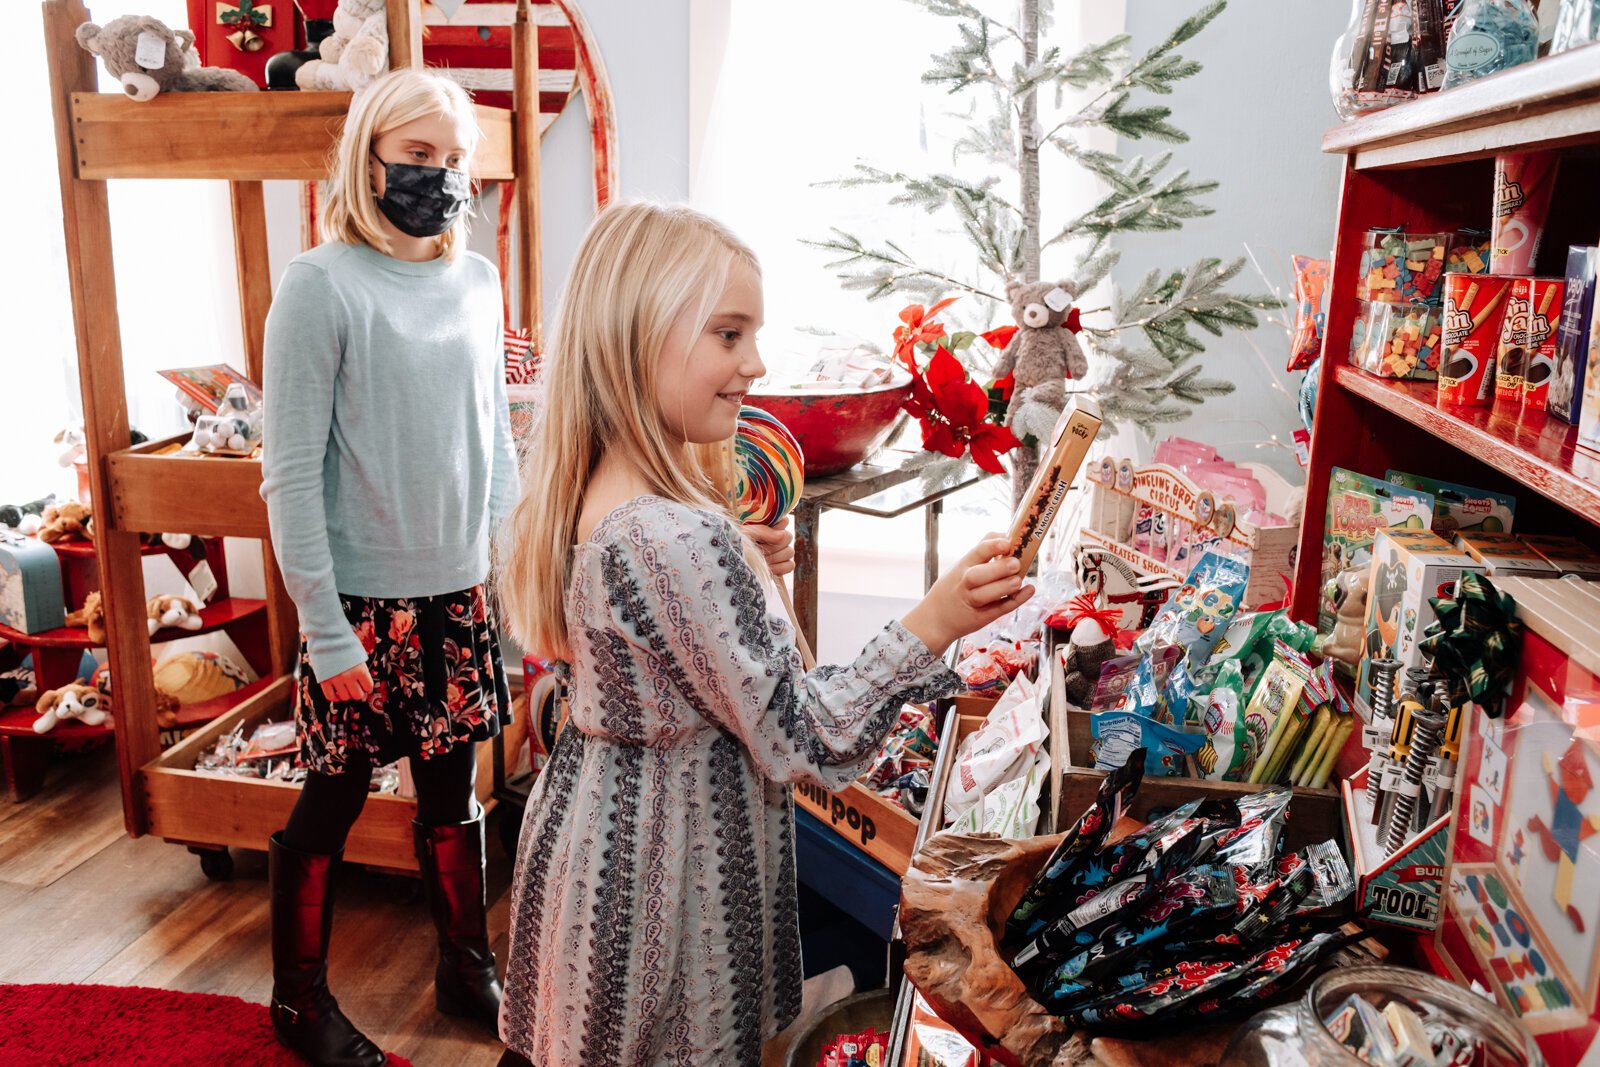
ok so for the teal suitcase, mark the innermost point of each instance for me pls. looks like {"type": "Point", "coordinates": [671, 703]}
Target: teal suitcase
{"type": "Point", "coordinates": [30, 585]}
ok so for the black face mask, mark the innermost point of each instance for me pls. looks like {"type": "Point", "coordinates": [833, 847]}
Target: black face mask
{"type": "Point", "coordinates": [423, 201]}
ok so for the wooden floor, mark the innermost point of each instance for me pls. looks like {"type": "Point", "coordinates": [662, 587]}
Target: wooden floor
{"type": "Point", "coordinates": [80, 901]}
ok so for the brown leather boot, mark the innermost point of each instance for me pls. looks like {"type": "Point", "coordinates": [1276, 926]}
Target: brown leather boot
{"type": "Point", "coordinates": [305, 1017]}
{"type": "Point", "coordinates": [452, 871]}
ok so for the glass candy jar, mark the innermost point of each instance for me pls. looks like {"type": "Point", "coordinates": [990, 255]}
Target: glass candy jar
{"type": "Point", "coordinates": [1490, 36]}
{"type": "Point", "coordinates": [1299, 1034]}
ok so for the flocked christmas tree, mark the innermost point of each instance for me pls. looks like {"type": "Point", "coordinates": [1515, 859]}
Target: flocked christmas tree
{"type": "Point", "coordinates": [1143, 344]}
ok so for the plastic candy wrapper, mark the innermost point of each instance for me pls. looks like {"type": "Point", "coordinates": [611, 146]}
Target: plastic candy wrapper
{"type": "Point", "coordinates": [859, 366]}
{"type": "Point", "coordinates": [1397, 1036]}
{"type": "Point", "coordinates": [1469, 254]}
{"type": "Point", "coordinates": [1577, 24]}
{"type": "Point", "coordinates": [235, 428]}
{"type": "Point", "coordinates": [1116, 678]}
{"type": "Point", "coordinates": [911, 745]}
{"type": "Point", "coordinates": [1164, 850]}
{"type": "Point", "coordinates": [1251, 641]}
{"type": "Point", "coordinates": [1119, 734]}
{"type": "Point", "coordinates": [866, 1049]}
{"type": "Point", "coordinates": [1227, 754]}
{"type": "Point", "coordinates": [1202, 609]}
{"type": "Point", "coordinates": [1077, 847]}
{"type": "Point", "coordinates": [1010, 809]}
{"type": "Point", "coordinates": [1003, 748]}
{"type": "Point", "coordinates": [910, 791]}
{"type": "Point", "coordinates": [1254, 845]}
{"type": "Point", "coordinates": [989, 668]}
{"type": "Point", "coordinates": [1310, 281]}
{"type": "Point", "coordinates": [1403, 268]}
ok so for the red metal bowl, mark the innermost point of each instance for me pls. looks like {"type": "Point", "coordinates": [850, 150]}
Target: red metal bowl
{"type": "Point", "coordinates": [836, 430]}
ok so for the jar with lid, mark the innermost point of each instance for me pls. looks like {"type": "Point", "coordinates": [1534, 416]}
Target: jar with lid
{"type": "Point", "coordinates": [1489, 36]}
{"type": "Point", "coordinates": [1303, 1034]}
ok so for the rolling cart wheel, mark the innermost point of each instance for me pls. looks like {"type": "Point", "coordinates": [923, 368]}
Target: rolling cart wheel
{"type": "Point", "coordinates": [215, 863]}
{"type": "Point", "coordinates": [510, 815]}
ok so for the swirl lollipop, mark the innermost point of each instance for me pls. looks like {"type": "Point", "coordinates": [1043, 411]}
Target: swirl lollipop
{"type": "Point", "coordinates": [769, 468]}
{"type": "Point", "coordinates": [769, 471]}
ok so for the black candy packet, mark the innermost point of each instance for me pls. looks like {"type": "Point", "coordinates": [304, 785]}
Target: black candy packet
{"type": "Point", "coordinates": [1081, 842]}
{"type": "Point", "coordinates": [1173, 851]}
{"type": "Point", "coordinates": [1200, 895]}
{"type": "Point", "coordinates": [1256, 843]}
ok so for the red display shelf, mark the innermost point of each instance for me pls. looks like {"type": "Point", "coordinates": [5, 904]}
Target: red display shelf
{"type": "Point", "coordinates": [1538, 451]}
{"type": "Point", "coordinates": [86, 549]}
{"type": "Point", "coordinates": [18, 721]}
{"type": "Point", "coordinates": [214, 616]}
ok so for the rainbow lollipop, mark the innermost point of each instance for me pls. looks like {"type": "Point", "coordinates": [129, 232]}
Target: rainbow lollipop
{"type": "Point", "coordinates": [769, 469]}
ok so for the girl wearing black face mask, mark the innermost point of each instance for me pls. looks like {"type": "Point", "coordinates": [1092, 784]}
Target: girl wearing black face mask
{"type": "Point", "coordinates": [388, 462]}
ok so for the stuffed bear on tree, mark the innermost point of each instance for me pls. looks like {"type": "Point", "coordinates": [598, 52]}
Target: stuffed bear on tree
{"type": "Point", "coordinates": [1003, 68]}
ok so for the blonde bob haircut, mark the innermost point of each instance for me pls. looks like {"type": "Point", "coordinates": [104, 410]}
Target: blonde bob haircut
{"type": "Point", "coordinates": [639, 269]}
{"type": "Point", "coordinates": [350, 213]}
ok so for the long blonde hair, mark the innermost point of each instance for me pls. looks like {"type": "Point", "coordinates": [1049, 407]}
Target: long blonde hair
{"type": "Point", "coordinates": [350, 213]}
{"type": "Point", "coordinates": [640, 267]}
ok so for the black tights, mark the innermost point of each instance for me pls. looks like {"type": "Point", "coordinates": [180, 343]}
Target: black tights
{"type": "Point", "coordinates": [329, 804]}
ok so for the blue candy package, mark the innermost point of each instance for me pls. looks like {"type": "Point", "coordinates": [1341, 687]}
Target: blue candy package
{"type": "Point", "coordinates": [1117, 734]}
{"type": "Point", "coordinates": [1199, 612]}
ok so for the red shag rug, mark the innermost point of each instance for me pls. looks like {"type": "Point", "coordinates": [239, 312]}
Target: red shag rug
{"type": "Point", "coordinates": [130, 1026]}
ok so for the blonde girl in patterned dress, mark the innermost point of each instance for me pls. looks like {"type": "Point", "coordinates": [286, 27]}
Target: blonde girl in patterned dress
{"type": "Point", "coordinates": [653, 915]}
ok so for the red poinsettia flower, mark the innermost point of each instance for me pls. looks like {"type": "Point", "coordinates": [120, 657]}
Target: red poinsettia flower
{"type": "Point", "coordinates": [917, 329]}
{"type": "Point", "coordinates": [1006, 385]}
{"type": "Point", "coordinates": [989, 442]}
{"type": "Point", "coordinates": [1000, 336]}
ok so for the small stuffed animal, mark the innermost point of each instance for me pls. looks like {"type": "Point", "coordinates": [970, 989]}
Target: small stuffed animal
{"type": "Point", "coordinates": [1040, 356]}
{"type": "Point", "coordinates": [355, 53]}
{"type": "Point", "coordinates": [167, 612]}
{"type": "Point", "coordinates": [149, 59]}
{"type": "Point", "coordinates": [63, 522]}
{"type": "Point", "coordinates": [71, 701]}
{"type": "Point", "coordinates": [1091, 644]}
{"type": "Point", "coordinates": [167, 705]}
{"type": "Point", "coordinates": [25, 518]}
{"type": "Point", "coordinates": [92, 617]}
{"type": "Point", "coordinates": [1349, 628]}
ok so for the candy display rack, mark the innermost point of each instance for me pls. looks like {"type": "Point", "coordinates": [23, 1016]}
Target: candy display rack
{"type": "Point", "coordinates": [1428, 164]}
{"type": "Point", "coordinates": [245, 139]}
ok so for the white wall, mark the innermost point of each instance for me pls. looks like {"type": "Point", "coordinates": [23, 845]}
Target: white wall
{"type": "Point", "coordinates": [1255, 116]}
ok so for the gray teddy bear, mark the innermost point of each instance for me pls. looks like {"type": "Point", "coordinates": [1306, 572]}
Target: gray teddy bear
{"type": "Point", "coordinates": [148, 58]}
{"type": "Point", "coordinates": [1041, 355]}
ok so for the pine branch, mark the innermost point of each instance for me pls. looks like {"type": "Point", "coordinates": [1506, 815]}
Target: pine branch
{"type": "Point", "coordinates": [931, 193]}
{"type": "Point", "coordinates": [881, 271]}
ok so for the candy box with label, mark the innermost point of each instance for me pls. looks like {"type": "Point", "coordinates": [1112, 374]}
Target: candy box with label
{"type": "Point", "coordinates": [1358, 507]}
{"type": "Point", "coordinates": [1521, 907]}
{"type": "Point", "coordinates": [1407, 570]}
{"type": "Point", "coordinates": [30, 585]}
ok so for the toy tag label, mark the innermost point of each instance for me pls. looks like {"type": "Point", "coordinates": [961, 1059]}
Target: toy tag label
{"type": "Point", "coordinates": [151, 51]}
{"type": "Point", "coordinates": [203, 582]}
{"type": "Point", "coordinates": [1302, 446]}
{"type": "Point", "coordinates": [1057, 299]}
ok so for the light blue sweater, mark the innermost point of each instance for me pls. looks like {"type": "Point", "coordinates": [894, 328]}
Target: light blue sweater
{"type": "Point", "coordinates": [387, 454]}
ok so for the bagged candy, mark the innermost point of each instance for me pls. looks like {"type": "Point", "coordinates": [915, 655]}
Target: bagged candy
{"type": "Point", "coordinates": [1003, 748]}
{"type": "Point", "coordinates": [1310, 280]}
{"type": "Point", "coordinates": [1227, 754]}
{"type": "Point", "coordinates": [1119, 734]}
{"type": "Point", "coordinates": [1254, 845]}
{"type": "Point", "coordinates": [1202, 609]}
{"type": "Point", "coordinates": [1079, 844]}
{"type": "Point", "coordinates": [1010, 809]}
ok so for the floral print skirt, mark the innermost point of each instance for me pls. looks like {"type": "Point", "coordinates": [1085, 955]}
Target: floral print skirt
{"type": "Point", "coordinates": [437, 681]}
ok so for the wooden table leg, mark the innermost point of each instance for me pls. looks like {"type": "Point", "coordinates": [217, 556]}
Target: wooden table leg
{"type": "Point", "coordinates": [930, 549]}
{"type": "Point", "coordinates": [806, 521]}
{"type": "Point", "coordinates": [26, 761]}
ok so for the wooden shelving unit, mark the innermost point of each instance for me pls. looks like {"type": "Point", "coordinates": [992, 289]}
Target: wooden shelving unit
{"type": "Point", "coordinates": [243, 138]}
{"type": "Point", "coordinates": [1428, 165]}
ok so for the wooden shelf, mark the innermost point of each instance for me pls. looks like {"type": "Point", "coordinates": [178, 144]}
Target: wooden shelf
{"type": "Point", "coordinates": [213, 617]}
{"type": "Point", "coordinates": [235, 136]}
{"type": "Point", "coordinates": [1544, 104]}
{"type": "Point", "coordinates": [157, 489]}
{"type": "Point", "coordinates": [1540, 452]}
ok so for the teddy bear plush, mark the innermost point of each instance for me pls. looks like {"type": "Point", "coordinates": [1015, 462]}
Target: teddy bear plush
{"type": "Point", "coordinates": [64, 522]}
{"type": "Point", "coordinates": [148, 59]}
{"type": "Point", "coordinates": [172, 612]}
{"type": "Point", "coordinates": [92, 617]}
{"type": "Point", "coordinates": [71, 701]}
{"type": "Point", "coordinates": [1039, 357]}
{"type": "Point", "coordinates": [355, 53]}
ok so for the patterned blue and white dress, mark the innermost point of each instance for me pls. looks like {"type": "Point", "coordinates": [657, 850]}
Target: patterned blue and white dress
{"type": "Point", "coordinates": [653, 914]}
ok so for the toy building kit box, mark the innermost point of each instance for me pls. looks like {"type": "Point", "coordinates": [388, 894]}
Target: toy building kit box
{"type": "Point", "coordinates": [1505, 555]}
{"type": "Point", "coordinates": [1407, 571]}
{"type": "Point", "coordinates": [1461, 508]}
{"type": "Point", "coordinates": [1521, 912]}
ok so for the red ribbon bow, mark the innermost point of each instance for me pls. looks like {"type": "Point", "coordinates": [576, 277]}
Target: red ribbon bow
{"type": "Point", "coordinates": [1083, 607]}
